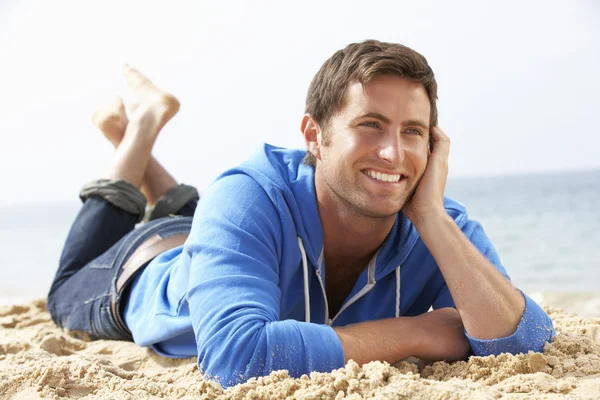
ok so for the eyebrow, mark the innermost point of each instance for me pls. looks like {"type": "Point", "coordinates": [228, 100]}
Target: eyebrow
{"type": "Point", "coordinates": [386, 120]}
{"type": "Point", "coordinates": [375, 115]}
{"type": "Point", "coordinates": [416, 122]}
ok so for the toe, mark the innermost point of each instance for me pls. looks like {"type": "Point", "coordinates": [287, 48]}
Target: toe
{"type": "Point", "coordinates": [133, 76]}
{"type": "Point", "coordinates": [119, 107]}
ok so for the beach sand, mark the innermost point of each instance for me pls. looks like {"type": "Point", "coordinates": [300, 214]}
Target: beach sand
{"type": "Point", "coordinates": [38, 360]}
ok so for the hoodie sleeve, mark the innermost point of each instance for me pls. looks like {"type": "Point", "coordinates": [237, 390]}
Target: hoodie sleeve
{"type": "Point", "coordinates": [233, 294]}
{"type": "Point", "coordinates": [535, 327]}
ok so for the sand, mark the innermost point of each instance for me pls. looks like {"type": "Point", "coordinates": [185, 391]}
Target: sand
{"type": "Point", "coordinates": [38, 360]}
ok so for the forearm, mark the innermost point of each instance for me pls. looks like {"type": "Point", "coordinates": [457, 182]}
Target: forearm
{"type": "Point", "coordinates": [388, 340]}
{"type": "Point", "coordinates": [489, 305]}
{"type": "Point", "coordinates": [435, 335]}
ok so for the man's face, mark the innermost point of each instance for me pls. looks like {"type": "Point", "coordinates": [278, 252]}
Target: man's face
{"type": "Point", "coordinates": [377, 147]}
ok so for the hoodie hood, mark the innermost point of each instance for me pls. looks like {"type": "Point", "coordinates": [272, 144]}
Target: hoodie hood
{"type": "Point", "coordinates": [283, 170]}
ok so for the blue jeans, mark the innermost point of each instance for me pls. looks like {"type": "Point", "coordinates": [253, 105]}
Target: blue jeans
{"type": "Point", "coordinates": [102, 238]}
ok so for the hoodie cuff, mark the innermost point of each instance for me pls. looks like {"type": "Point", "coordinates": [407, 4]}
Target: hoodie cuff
{"type": "Point", "coordinates": [302, 348]}
{"type": "Point", "coordinates": [534, 330]}
{"type": "Point", "coordinates": [330, 356]}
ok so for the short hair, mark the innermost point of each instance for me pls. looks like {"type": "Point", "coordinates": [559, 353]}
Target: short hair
{"type": "Point", "coordinates": [361, 62]}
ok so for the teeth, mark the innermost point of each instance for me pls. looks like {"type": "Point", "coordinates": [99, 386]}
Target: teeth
{"type": "Point", "coordinates": [383, 177]}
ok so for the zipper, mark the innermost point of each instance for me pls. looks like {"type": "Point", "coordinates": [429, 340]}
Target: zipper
{"type": "Point", "coordinates": [366, 289]}
{"type": "Point", "coordinates": [320, 279]}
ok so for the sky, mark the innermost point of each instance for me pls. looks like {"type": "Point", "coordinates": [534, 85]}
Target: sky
{"type": "Point", "coordinates": [518, 80]}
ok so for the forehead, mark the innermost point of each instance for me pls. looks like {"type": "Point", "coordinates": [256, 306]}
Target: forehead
{"type": "Point", "coordinates": [394, 97]}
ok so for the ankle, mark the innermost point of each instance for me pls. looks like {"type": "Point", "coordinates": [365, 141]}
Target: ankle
{"type": "Point", "coordinates": [147, 121]}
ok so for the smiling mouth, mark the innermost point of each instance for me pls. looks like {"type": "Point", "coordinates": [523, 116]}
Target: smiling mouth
{"type": "Point", "coordinates": [381, 177]}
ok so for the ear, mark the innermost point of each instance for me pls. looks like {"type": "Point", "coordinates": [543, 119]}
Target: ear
{"type": "Point", "coordinates": [312, 135]}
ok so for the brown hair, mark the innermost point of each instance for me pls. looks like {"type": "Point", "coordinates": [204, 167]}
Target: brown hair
{"type": "Point", "coordinates": [362, 62]}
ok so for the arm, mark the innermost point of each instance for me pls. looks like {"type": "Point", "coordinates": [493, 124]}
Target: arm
{"type": "Point", "coordinates": [433, 336]}
{"type": "Point", "coordinates": [489, 305]}
{"type": "Point", "coordinates": [533, 329]}
{"type": "Point", "coordinates": [234, 252]}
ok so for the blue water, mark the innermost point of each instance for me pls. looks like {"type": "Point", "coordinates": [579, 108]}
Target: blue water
{"type": "Point", "coordinates": [546, 229]}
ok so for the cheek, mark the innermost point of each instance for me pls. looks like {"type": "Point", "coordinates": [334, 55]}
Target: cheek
{"type": "Point", "coordinates": [363, 146]}
{"type": "Point", "coordinates": [419, 156]}
{"type": "Point", "coordinates": [349, 149]}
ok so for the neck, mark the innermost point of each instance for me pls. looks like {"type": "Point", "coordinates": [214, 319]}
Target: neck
{"type": "Point", "coordinates": [348, 234]}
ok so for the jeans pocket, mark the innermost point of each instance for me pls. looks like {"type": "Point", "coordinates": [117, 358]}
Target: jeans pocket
{"type": "Point", "coordinates": [104, 326]}
{"type": "Point", "coordinates": [108, 259]}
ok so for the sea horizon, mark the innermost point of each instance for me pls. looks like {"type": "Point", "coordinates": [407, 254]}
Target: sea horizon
{"type": "Point", "coordinates": [546, 231]}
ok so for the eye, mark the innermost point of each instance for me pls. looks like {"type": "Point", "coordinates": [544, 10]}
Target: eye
{"type": "Point", "coordinates": [370, 124]}
{"type": "Point", "coordinates": [413, 131]}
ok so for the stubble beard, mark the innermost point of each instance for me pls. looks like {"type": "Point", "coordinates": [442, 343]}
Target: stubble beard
{"type": "Point", "coordinates": [353, 200]}
{"type": "Point", "coordinates": [356, 199]}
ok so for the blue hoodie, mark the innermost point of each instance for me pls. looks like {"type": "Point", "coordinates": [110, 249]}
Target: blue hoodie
{"type": "Point", "coordinates": [246, 291]}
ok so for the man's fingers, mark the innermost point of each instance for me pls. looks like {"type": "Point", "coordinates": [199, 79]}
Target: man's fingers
{"type": "Point", "coordinates": [438, 135]}
{"type": "Point", "coordinates": [440, 141]}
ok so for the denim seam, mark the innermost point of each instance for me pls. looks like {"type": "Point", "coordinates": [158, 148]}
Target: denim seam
{"type": "Point", "coordinates": [112, 329]}
{"type": "Point", "coordinates": [96, 298]}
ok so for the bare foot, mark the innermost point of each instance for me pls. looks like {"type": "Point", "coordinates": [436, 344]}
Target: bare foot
{"type": "Point", "coordinates": [145, 98]}
{"type": "Point", "coordinates": [112, 121]}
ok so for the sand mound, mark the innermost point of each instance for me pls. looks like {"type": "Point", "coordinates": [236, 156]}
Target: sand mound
{"type": "Point", "coordinates": [38, 360]}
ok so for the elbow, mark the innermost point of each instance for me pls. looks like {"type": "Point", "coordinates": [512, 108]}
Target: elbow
{"type": "Point", "coordinates": [532, 334]}
{"type": "Point", "coordinates": [534, 330]}
{"type": "Point", "coordinates": [537, 335]}
{"type": "Point", "coordinates": [234, 357]}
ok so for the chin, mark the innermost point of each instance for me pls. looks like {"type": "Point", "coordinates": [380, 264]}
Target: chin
{"type": "Point", "coordinates": [378, 206]}
{"type": "Point", "coordinates": [381, 212]}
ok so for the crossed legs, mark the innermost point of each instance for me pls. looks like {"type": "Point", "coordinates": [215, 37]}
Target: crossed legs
{"type": "Point", "coordinates": [113, 205]}
{"type": "Point", "coordinates": [103, 234]}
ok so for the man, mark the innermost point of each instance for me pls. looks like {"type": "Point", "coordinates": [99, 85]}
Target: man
{"type": "Point", "coordinates": [297, 260]}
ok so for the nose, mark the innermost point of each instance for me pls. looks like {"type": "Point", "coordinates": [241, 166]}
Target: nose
{"type": "Point", "coordinates": [392, 149]}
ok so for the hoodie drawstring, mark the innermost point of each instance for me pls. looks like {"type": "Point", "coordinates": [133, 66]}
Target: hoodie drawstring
{"type": "Point", "coordinates": [306, 288]}
{"type": "Point", "coordinates": [398, 291]}
{"type": "Point", "coordinates": [305, 273]}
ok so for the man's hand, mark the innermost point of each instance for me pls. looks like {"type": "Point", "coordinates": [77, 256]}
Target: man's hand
{"type": "Point", "coordinates": [443, 336]}
{"type": "Point", "coordinates": [428, 198]}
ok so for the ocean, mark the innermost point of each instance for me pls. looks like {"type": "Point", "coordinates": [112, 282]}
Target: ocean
{"type": "Point", "coordinates": [546, 228]}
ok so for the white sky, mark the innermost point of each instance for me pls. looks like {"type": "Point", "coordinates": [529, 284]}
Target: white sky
{"type": "Point", "coordinates": [518, 80]}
